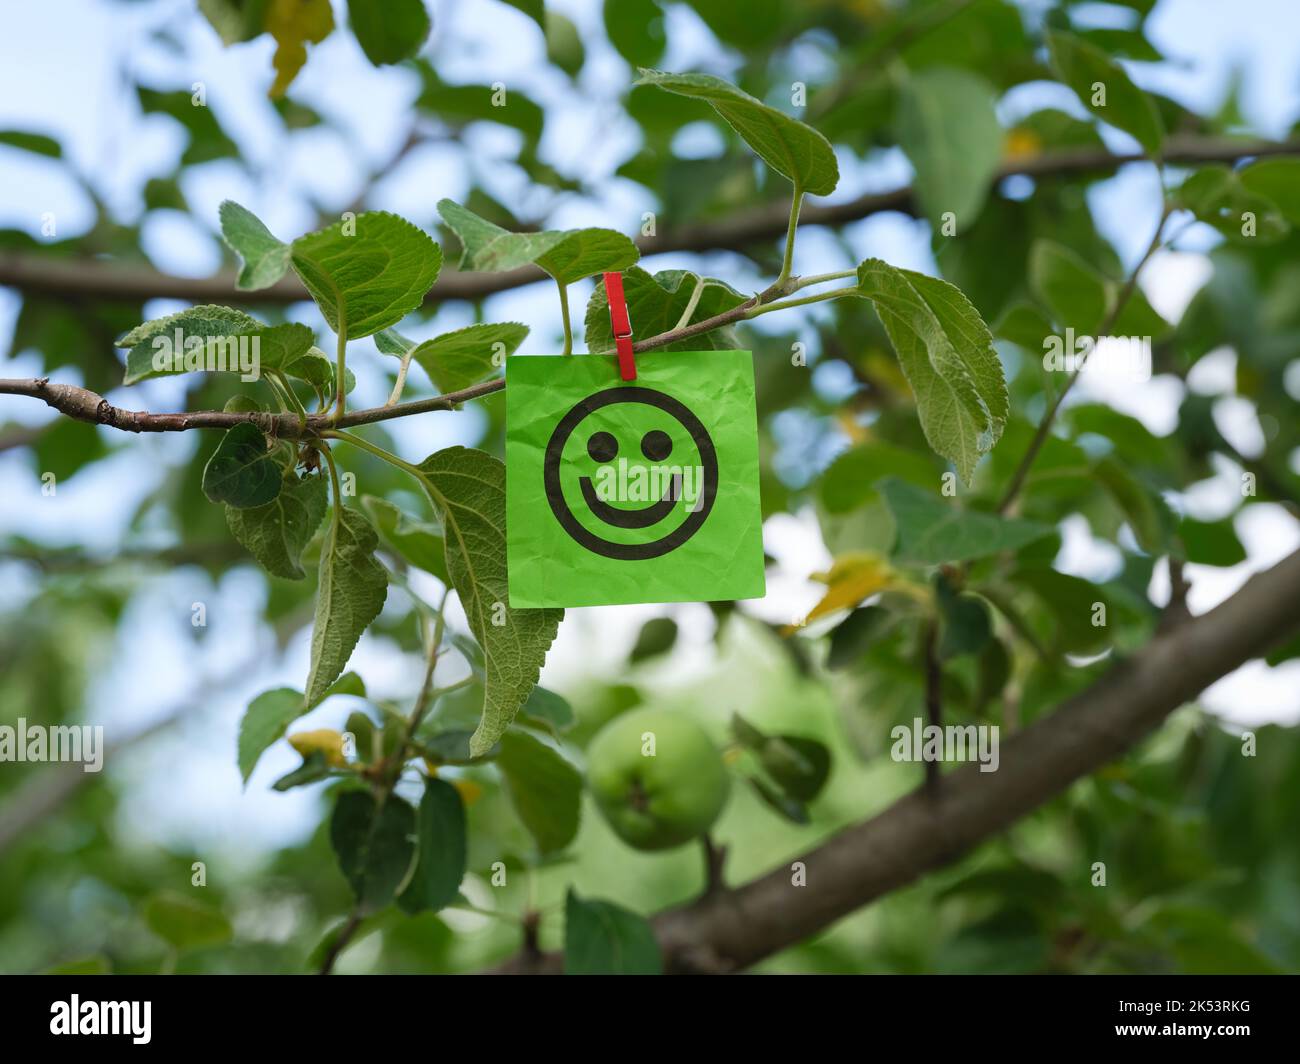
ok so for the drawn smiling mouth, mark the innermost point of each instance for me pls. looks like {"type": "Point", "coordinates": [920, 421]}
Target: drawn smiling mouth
{"type": "Point", "coordinates": [643, 517]}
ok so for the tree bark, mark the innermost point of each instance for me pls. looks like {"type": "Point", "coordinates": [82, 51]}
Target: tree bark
{"type": "Point", "coordinates": [732, 929]}
{"type": "Point", "coordinates": [68, 278]}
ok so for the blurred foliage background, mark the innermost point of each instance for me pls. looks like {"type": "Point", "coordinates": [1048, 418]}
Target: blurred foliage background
{"type": "Point", "coordinates": [104, 158]}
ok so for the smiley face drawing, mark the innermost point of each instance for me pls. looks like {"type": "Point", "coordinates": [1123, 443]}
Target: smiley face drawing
{"type": "Point", "coordinates": [630, 473]}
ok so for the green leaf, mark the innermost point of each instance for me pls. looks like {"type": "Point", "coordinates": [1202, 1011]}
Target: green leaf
{"type": "Point", "coordinates": [1276, 180]}
{"type": "Point", "coordinates": [856, 634]}
{"type": "Point", "coordinates": [799, 765]}
{"type": "Point", "coordinates": [1074, 293]}
{"type": "Point", "coordinates": [636, 30]}
{"type": "Point", "coordinates": [656, 303]}
{"type": "Point", "coordinates": [185, 924]}
{"type": "Point", "coordinates": [947, 355]}
{"type": "Point", "coordinates": [1211, 542]}
{"type": "Point", "coordinates": [159, 337]}
{"type": "Point", "coordinates": [534, 9]}
{"type": "Point", "coordinates": [1090, 73]}
{"type": "Point", "coordinates": [656, 637]}
{"type": "Point", "coordinates": [389, 30]}
{"type": "Point", "coordinates": [458, 105]}
{"type": "Point", "coordinates": [548, 709]}
{"type": "Point", "coordinates": [440, 854]}
{"type": "Point", "coordinates": [208, 140]}
{"type": "Point", "coordinates": [468, 490]}
{"type": "Point", "coordinates": [791, 148]}
{"type": "Point", "coordinates": [368, 272]}
{"type": "Point", "coordinates": [281, 347]}
{"type": "Point", "coordinates": [567, 255]}
{"type": "Point", "coordinates": [601, 938]}
{"type": "Point", "coordinates": [317, 368]}
{"type": "Point", "coordinates": [1146, 512]}
{"type": "Point", "coordinates": [950, 132]}
{"type": "Point", "coordinates": [33, 142]}
{"type": "Point", "coordinates": [353, 587]}
{"type": "Point", "coordinates": [966, 625]}
{"type": "Point", "coordinates": [264, 259]}
{"type": "Point", "coordinates": [448, 747]}
{"type": "Point", "coordinates": [241, 472]}
{"type": "Point", "coordinates": [848, 483]}
{"type": "Point", "coordinates": [934, 532]}
{"type": "Point", "coordinates": [545, 789]}
{"type": "Point", "coordinates": [265, 720]}
{"type": "Point", "coordinates": [780, 803]}
{"type": "Point", "coordinates": [91, 964]}
{"type": "Point", "coordinates": [1218, 196]}
{"type": "Point", "coordinates": [374, 845]}
{"type": "Point", "coordinates": [1069, 602]}
{"type": "Point", "coordinates": [270, 714]}
{"type": "Point", "coordinates": [563, 44]}
{"type": "Point", "coordinates": [417, 542]}
{"type": "Point", "coordinates": [235, 20]}
{"type": "Point", "coordinates": [458, 359]}
{"type": "Point", "coordinates": [1026, 325]}
{"type": "Point", "coordinates": [313, 769]}
{"type": "Point", "coordinates": [277, 533]}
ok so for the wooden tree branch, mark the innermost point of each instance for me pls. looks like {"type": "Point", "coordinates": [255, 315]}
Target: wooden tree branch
{"type": "Point", "coordinates": [918, 833]}
{"type": "Point", "coordinates": [85, 405]}
{"type": "Point", "coordinates": [65, 278]}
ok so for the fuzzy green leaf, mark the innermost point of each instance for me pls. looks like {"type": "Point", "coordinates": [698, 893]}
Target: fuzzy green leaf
{"type": "Point", "coordinates": [276, 533]}
{"type": "Point", "coordinates": [946, 352]}
{"type": "Point", "coordinates": [264, 258]}
{"type": "Point", "coordinates": [389, 30]}
{"type": "Point", "coordinates": [417, 542]}
{"type": "Point", "coordinates": [567, 255]}
{"type": "Point", "coordinates": [458, 359]}
{"type": "Point", "coordinates": [440, 850]}
{"type": "Point", "coordinates": [656, 303]}
{"type": "Point", "coordinates": [546, 790]}
{"type": "Point", "coordinates": [353, 587]}
{"type": "Point", "coordinates": [934, 532]}
{"type": "Point", "coordinates": [158, 337]}
{"type": "Point", "coordinates": [373, 845]}
{"type": "Point", "coordinates": [791, 148]}
{"type": "Point", "coordinates": [241, 472]}
{"type": "Point", "coordinates": [1090, 72]}
{"type": "Point", "coordinates": [467, 488]}
{"type": "Point", "coordinates": [950, 132]}
{"type": "Point", "coordinates": [601, 938]}
{"type": "Point", "coordinates": [1076, 295]}
{"type": "Point", "coordinates": [368, 272]}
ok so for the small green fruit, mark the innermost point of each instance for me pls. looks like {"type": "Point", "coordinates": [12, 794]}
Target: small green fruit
{"type": "Point", "coordinates": [658, 800]}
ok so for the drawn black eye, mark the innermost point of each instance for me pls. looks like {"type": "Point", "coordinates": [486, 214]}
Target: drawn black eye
{"type": "Point", "coordinates": [602, 446]}
{"type": "Point", "coordinates": [656, 445]}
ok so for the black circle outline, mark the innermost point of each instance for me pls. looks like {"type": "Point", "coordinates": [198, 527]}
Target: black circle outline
{"type": "Point", "coordinates": [555, 492]}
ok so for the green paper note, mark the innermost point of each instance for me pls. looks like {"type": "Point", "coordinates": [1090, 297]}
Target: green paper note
{"type": "Point", "coordinates": [632, 491]}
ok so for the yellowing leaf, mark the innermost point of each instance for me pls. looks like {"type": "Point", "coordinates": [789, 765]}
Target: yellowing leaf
{"type": "Point", "coordinates": [294, 24]}
{"type": "Point", "coordinates": [1021, 144]}
{"type": "Point", "coordinates": [470, 792]}
{"type": "Point", "coordinates": [852, 578]}
{"type": "Point", "coordinates": [325, 741]}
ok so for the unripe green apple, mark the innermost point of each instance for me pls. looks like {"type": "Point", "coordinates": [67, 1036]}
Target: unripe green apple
{"type": "Point", "coordinates": [657, 778]}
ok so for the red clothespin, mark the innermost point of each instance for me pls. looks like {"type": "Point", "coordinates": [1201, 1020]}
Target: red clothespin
{"type": "Point", "coordinates": [622, 326]}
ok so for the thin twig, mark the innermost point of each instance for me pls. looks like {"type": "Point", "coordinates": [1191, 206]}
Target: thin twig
{"type": "Point", "coordinates": [1045, 425]}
